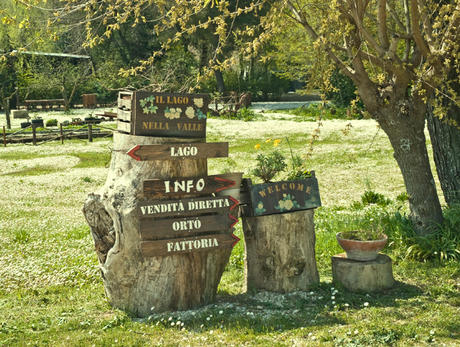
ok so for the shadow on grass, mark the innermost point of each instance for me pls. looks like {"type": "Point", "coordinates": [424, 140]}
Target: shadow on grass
{"type": "Point", "coordinates": [324, 305]}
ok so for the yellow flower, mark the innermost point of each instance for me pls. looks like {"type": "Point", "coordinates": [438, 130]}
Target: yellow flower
{"type": "Point", "coordinates": [276, 142]}
{"type": "Point", "coordinates": [257, 146]}
{"type": "Point", "coordinates": [267, 140]}
{"type": "Point", "coordinates": [288, 204]}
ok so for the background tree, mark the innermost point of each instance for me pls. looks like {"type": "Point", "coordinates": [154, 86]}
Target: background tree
{"type": "Point", "coordinates": [7, 74]}
{"type": "Point", "coordinates": [397, 52]}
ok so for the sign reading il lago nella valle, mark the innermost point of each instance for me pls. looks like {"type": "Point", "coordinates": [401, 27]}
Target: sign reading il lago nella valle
{"type": "Point", "coordinates": [166, 114]}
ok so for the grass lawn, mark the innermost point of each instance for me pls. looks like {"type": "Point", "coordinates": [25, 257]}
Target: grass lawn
{"type": "Point", "coordinates": [51, 292]}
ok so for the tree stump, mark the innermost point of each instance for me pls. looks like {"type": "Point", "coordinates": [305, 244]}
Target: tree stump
{"type": "Point", "coordinates": [280, 251]}
{"type": "Point", "coordinates": [134, 283]}
{"type": "Point", "coordinates": [362, 276]}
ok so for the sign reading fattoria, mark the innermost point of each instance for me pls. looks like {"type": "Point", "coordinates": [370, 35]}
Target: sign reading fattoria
{"type": "Point", "coordinates": [189, 244]}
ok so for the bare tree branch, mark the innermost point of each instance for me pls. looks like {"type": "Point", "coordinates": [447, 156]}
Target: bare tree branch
{"type": "Point", "coordinates": [382, 24]}
{"type": "Point", "coordinates": [418, 38]}
{"type": "Point", "coordinates": [298, 17]}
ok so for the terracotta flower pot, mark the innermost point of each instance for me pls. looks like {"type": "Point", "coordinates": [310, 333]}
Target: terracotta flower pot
{"type": "Point", "coordinates": [361, 250]}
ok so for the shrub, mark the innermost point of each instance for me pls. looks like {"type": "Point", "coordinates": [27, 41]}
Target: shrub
{"type": "Point", "coordinates": [370, 197]}
{"type": "Point", "coordinates": [244, 114]}
{"type": "Point", "coordinates": [51, 123]}
{"type": "Point", "coordinates": [442, 244]}
{"type": "Point", "coordinates": [268, 165]}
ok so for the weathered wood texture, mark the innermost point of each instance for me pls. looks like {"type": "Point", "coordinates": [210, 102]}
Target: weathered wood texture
{"type": "Point", "coordinates": [180, 151]}
{"type": "Point", "coordinates": [363, 276]}
{"type": "Point", "coordinates": [281, 197]}
{"type": "Point", "coordinates": [164, 114]}
{"type": "Point", "coordinates": [188, 244]}
{"type": "Point", "coordinates": [133, 282]}
{"type": "Point", "coordinates": [183, 186]}
{"type": "Point", "coordinates": [280, 252]}
{"type": "Point", "coordinates": [187, 207]}
{"type": "Point", "coordinates": [181, 227]}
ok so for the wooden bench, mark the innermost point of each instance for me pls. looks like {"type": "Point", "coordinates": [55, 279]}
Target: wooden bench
{"type": "Point", "coordinates": [44, 104]}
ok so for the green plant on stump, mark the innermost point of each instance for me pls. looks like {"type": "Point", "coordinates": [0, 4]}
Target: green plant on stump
{"type": "Point", "coordinates": [363, 234]}
{"type": "Point", "coordinates": [269, 165]}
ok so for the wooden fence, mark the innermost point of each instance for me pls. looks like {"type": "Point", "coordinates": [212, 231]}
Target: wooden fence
{"type": "Point", "coordinates": [89, 131]}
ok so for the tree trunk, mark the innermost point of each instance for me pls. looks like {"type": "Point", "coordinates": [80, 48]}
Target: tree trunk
{"type": "Point", "coordinates": [363, 276]}
{"type": "Point", "coordinates": [445, 139]}
{"type": "Point", "coordinates": [220, 81]}
{"type": "Point", "coordinates": [133, 282]}
{"type": "Point", "coordinates": [280, 251]}
{"type": "Point", "coordinates": [405, 130]}
{"type": "Point", "coordinates": [6, 106]}
{"type": "Point", "coordinates": [66, 99]}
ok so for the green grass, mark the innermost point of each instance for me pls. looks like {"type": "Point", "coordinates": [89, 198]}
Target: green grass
{"type": "Point", "coordinates": [92, 159]}
{"type": "Point", "coordinates": [51, 291]}
{"type": "Point", "coordinates": [34, 171]}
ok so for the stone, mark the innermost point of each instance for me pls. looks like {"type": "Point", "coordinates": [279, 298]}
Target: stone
{"type": "Point", "coordinates": [20, 114]}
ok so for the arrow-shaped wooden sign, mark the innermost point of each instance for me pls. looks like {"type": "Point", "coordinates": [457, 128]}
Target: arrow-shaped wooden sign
{"type": "Point", "coordinates": [186, 207]}
{"type": "Point", "coordinates": [174, 187]}
{"type": "Point", "coordinates": [188, 244]}
{"type": "Point", "coordinates": [158, 229]}
{"type": "Point", "coordinates": [173, 151]}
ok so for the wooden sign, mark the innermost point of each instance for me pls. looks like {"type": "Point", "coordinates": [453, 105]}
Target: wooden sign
{"type": "Point", "coordinates": [179, 151]}
{"type": "Point", "coordinates": [187, 207]}
{"type": "Point", "coordinates": [283, 197]}
{"type": "Point", "coordinates": [165, 114]}
{"type": "Point", "coordinates": [185, 185]}
{"type": "Point", "coordinates": [189, 244]}
{"type": "Point", "coordinates": [157, 229]}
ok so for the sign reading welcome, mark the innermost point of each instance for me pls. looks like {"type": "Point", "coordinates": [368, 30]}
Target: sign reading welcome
{"type": "Point", "coordinates": [284, 196]}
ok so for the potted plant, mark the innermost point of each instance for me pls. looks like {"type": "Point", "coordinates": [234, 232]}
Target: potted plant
{"type": "Point", "coordinates": [362, 245]}
{"type": "Point", "coordinates": [298, 191]}
{"type": "Point", "coordinates": [37, 122]}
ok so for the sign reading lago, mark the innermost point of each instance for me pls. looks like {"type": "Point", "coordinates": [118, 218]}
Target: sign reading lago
{"type": "Point", "coordinates": [179, 151]}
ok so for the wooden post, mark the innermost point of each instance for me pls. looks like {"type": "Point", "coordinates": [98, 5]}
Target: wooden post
{"type": "Point", "coordinates": [62, 133]}
{"type": "Point", "coordinates": [134, 282]}
{"type": "Point", "coordinates": [34, 135]}
{"type": "Point", "coordinates": [280, 251]}
{"type": "Point", "coordinates": [90, 132]}
{"type": "Point", "coordinates": [4, 136]}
